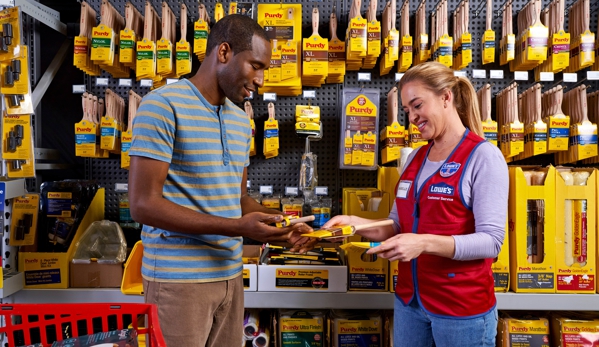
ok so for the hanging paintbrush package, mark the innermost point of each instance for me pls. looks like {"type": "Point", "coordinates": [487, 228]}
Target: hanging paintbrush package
{"type": "Point", "coordinates": [575, 203]}
{"type": "Point", "coordinates": [360, 123]}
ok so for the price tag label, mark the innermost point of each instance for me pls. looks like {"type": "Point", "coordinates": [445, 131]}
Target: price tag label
{"type": "Point", "coordinates": [592, 75]}
{"type": "Point", "coordinates": [171, 80]}
{"type": "Point", "coordinates": [476, 73]}
{"type": "Point", "coordinates": [570, 77]}
{"type": "Point", "coordinates": [398, 76]}
{"type": "Point", "coordinates": [309, 94]}
{"type": "Point", "coordinates": [251, 97]}
{"type": "Point", "coordinates": [459, 73]}
{"type": "Point", "coordinates": [266, 190]}
{"type": "Point", "coordinates": [291, 191]}
{"type": "Point", "coordinates": [101, 82]}
{"type": "Point", "coordinates": [270, 97]}
{"type": "Point", "coordinates": [321, 190]}
{"type": "Point", "coordinates": [121, 187]}
{"type": "Point", "coordinates": [78, 88]}
{"type": "Point", "coordinates": [547, 76]}
{"type": "Point", "coordinates": [125, 82]}
{"type": "Point", "coordinates": [521, 75]}
{"type": "Point", "coordinates": [148, 83]}
{"type": "Point", "coordinates": [497, 74]}
{"type": "Point", "coordinates": [248, 184]}
{"type": "Point", "coordinates": [364, 76]}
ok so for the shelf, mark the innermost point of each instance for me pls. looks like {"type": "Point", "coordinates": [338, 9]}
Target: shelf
{"type": "Point", "coordinates": [351, 300]}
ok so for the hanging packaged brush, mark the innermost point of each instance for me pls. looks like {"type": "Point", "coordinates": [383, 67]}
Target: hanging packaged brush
{"type": "Point", "coordinates": [535, 129]}
{"type": "Point", "coordinates": [582, 51]}
{"type": "Point", "coordinates": [442, 42]}
{"type": "Point", "coordinates": [356, 38]}
{"type": "Point", "coordinates": [390, 39]}
{"type": "Point", "coordinates": [128, 36]}
{"type": "Point", "coordinates": [271, 134]}
{"type": "Point", "coordinates": [533, 36]}
{"type": "Point", "coordinates": [111, 124]}
{"type": "Point", "coordinates": [558, 124]}
{"type": "Point", "coordinates": [292, 205]}
{"type": "Point", "coordinates": [219, 11]}
{"type": "Point", "coordinates": [87, 131]}
{"type": "Point", "coordinates": [508, 39]}
{"type": "Point", "coordinates": [183, 49]}
{"type": "Point", "coordinates": [336, 53]}
{"type": "Point", "coordinates": [105, 42]}
{"type": "Point", "coordinates": [373, 35]}
{"type": "Point", "coordinates": [511, 130]}
{"type": "Point", "coordinates": [146, 47]}
{"type": "Point", "coordinates": [360, 117]}
{"type": "Point", "coordinates": [393, 134]}
{"type": "Point", "coordinates": [249, 111]}
{"type": "Point", "coordinates": [316, 56]}
{"type": "Point", "coordinates": [405, 47]}
{"type": "Point", "coordinates": [583, 133]}
{"type": "Point", "coordinates": [201, 29]}
{"type": "Point", "coordinates": [422, 50]}
{"type": "Point", "coordinates": [164, 47]}
{"type": "Point", "coordinates": [463, 39]}
{"type": "Point", "coordinates": [82, 44]}
{"type": "Point", "coordinates": [489, 125]}
{"type": "Point", "coordinates": [283, 24]}
{"type": "Point", "coordinates": [127, 136]}
{"type": "Point", "coordinates": [488, 40]}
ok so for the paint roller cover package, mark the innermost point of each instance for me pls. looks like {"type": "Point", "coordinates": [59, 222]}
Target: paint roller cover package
{"type": "Point", "coordinates": [575, 230]}
{"type": "Point", "coordinates": [574, 329]}
{"type": "Point", "coordinates": [531, 224]}
{"type": "Point", "coordinates": [517, 329]}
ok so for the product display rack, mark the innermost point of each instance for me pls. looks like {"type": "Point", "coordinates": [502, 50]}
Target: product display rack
{"type": "Point", "coordinates": [283, 170]}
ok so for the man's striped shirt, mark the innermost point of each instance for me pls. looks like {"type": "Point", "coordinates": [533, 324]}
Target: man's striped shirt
{"type": "Point", "coordinates": [208, 148]}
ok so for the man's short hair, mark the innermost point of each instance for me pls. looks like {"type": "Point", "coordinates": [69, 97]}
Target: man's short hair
{"type": "Point", "coordinates": [237, 30]}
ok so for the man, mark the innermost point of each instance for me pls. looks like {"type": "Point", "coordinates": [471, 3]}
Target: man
{"type": "Point", "coordinates": [187, 185]}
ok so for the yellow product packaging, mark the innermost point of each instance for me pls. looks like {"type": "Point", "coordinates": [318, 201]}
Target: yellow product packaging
{"type": "Point", "coordinates": [532, 229]}
{"type": "Point", "coordinates": [356, 155]}
{"type": "Point", "coordinates": [201, 29]}
{"type": "Point", "coordinates": [537, 138]}
{"type": "Point", "coordinates": [367, 272]}
{"type": "Point", "coordinates": [394, 139]}
{"type": "Point", "coordinates": [289, 66]}
{"type": "Point", "coordinates": [349, 329]}
{"type": "Point", "coordinates": [146, 59]}
{"type": "Point", "coordinates": [253, 140]}
{"type": "Point", "coordinates": [358, 37]}
{"type": "Point", "coordinates": [373, 39]}
{"type": "Point", "coordinates": [515, 144]}
{"type": "Point", "coordinates": [110, 132]}
{"type": "Point", "coordinates": [405, 54]}
{"type": "Point", "coordinates": [501, 265]}
{"type": "Point", "coordinates": [307, 113]}
{"type": "Point", "coordinates": [274, 70]}
{"type": "Point", "coordinates": [490, 130]}
{"type": "Point", "coordinates": [103, 45]}
{"type": "Point", "coordinates": [488, 47]}
{"type": "Point", "coordinates": [423, 52]}
{"type": "Point", "coordinates": [127, 47]}
{"type": "Point", "coordinates": [558, 133]}
{"type": "Point", "coordinates": [85, 139]}
{"type": "Point", "coordinates": [18, 81]}
{"type": "Point", "coordinates": [445, 54]}
{"type": "Point", "coordinates": [466, 50]}
{"type": "Point", "coordinates": [293, 206]}
{"type": "Point", "coordinates": [537, 37]}
{"type": "Point", "coordinates": [271, 138]}
{"type": "Point", "coordinates": [508, 49]}
{"type": "Point", "coordinates": [560, 51]}
{"type": "Point", "coordinates": [415, 137]}
{"type": "Point", "coordinates": [321, 209]}
{"type": "Point", "coordinates": [16, 137]}
{"type": "Point", "coordinates": [517, 329]}
{"type": "Point", "coordinates": [369, 142]}
{"type": "Point", "coordinates": [126, 138]}
{"type": "Point", "coordinates": [164, 54]}
{"type": "Point", "coordinates": [360, 117]}
{"type": "Point", "coordinates": [574, 329]}
{"type": "Point", "coordinates": [575, 249]}
{"type": "Point", "coordinates": [272, 202]}
{"type": "Point", "coordinates": [301, 328]}
{"type": "Point", "coordinates": [23, 228]}
{"type": "Point", "coordinates": [12, 16]}
{"type": "Point", "coordinates": [348, 146]}
{"type": "Point", "coordinates": [393, 274]}
{"type": "Point", "coordinates": [183, 61]}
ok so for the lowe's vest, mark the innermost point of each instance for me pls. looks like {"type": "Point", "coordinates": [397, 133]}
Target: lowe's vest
{"type": "Point", "coordinates": [442, 286]}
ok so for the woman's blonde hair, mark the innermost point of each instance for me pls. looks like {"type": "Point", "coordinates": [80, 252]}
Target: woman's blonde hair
{"type": "Point", "coordinates": [437, 77]}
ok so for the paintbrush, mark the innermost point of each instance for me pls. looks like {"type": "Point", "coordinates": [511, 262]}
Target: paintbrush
{"type": "Point", "coordinates": [291, 220]}
{"type": "Point", "coordinates": [342, 231]}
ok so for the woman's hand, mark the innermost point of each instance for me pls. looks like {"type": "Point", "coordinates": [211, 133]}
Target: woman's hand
{"type": "Point", "coordinates": [402, 247]}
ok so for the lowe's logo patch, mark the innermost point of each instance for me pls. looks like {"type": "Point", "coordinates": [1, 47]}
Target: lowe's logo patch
{"type": "Point", "coordinates": [441, 188]}
{"type": "Point", "coordinates": [449, 169]}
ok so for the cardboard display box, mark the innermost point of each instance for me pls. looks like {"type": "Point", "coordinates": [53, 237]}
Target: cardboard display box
{"type": "Point", "coordinates": [95, 275]}
{"type": "Point", "coordinates": [574, 329]}
{"type": "Point", "coordinates": [575, 257]}
{"type": "Point", "coordinates": [393, 275]}
{"type": "Point", "coordinates": [501, 265]}
{"type": "Point", "coordinates": [522, 330]}
{"type": "Point", "coordinates": [532, 271]}
{"type": "Point", "coordinates": [51, 270]}
{"type": "Point", "coordinates": [367, 272]}
{"type": "Point", "coordinates": [250, 271]}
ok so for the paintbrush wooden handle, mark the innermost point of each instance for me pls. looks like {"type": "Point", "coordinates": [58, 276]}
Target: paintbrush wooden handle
{"type": "Point", "coordinates": [382, 223]}
{"type": "Point", "coordinates": [301, 220]}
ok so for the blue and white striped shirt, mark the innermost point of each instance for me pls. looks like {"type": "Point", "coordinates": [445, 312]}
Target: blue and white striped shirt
{"type": "Point", "coordinates": [208, 148]}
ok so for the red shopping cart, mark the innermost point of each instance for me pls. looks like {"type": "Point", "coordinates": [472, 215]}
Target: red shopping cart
{"type": "Point", "coordinates": [25, 324]}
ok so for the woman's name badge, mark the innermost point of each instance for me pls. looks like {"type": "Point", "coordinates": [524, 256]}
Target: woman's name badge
{"type": "Point", "coordinates": [403, 188]}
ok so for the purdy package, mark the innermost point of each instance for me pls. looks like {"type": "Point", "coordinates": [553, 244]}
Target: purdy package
{"type": "Point", "coordinates": [115, 338]}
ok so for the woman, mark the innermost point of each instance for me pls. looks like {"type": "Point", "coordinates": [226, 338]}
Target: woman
{"type": "Point", "coordinates": [450, 214]}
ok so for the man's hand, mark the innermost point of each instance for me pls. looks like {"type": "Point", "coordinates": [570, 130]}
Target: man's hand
{"type": "Point", "coordinates": [300, 243]}
{"type": "Point", "coordinates": [261, 227]}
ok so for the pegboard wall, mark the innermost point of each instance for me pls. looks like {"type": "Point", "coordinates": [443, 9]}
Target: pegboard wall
{"type": "Point", "coordinates": [283, 170]}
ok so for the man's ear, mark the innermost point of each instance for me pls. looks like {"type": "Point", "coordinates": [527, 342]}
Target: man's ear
{"type": "Point", "coordinates": [224, 52]}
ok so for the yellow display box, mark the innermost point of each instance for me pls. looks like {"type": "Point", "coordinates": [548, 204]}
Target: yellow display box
{"type": "Point", "coordinates": [575, 247]}
{"type": "Point", "coordinates": [367, 272]}
{"type": "Point", "coordinates": [51, 270]}
{"type": "Point", "coordinates": [360, 202]}
{"type": "Point", "coordinates": [532, 244]}
{"type": "Point", "coordinates": [574, 329]}
{"type": "Point", "coordinates": [387, 179]}
{"type": "Point", "coordinates": [393, 272]}
{"type": "Point", "coordinates": [518, 329]}
{"type": "Point", "coordinates": [501, 266]}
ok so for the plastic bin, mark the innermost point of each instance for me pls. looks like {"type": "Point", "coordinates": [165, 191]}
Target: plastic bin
{"type": "Point", "coordinates": [25, 324]}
